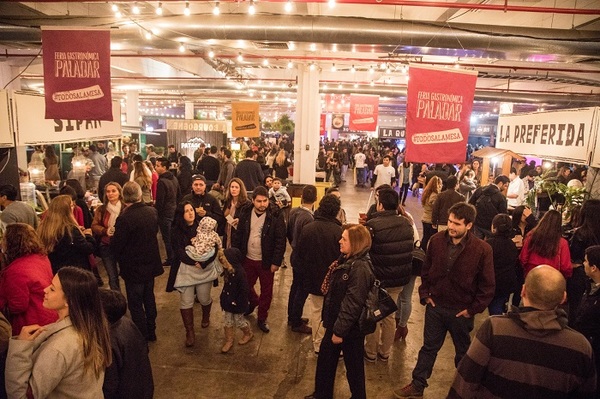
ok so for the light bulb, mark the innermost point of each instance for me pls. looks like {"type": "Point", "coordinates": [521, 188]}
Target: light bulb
{"type": "Point", "coordinates": [181, 48]}
{"type": "Point", "coordinates": [265, 62]}
{"type": "Point", "coordinates": [211, 54]}
{"type": "Point", "coordinates": [288, 6]}
{"type": "Point", "coordinates": [372, 83]}
{"type": "Point", "coordinates": [187, 11]}
{"type": "Point", "coordinates": [312, 67]}
{"type": "Point", "coordinates": [148, 35]}
{"type": "Point", "coordinates": [216, 9]}
{"type": "Point", "coordinates": [118, 14]}
{"type": "Point", "coordinates": [159, 9]}
{"type": "Point", "coordinates": [352, 69]}
{"type": "Point", "coordinates": [115, 8]}
{"type": "Point", "coordinates": [331, 3]}
{"type": "Point", "coordinates": [333, 68]}
{"type": "Point", "coordinates": [290, 65]}
{"type": "Point", "coordinates": [371, 70]}
{"type": "Point", "coordinates": [252, 9]}
{"type": "Point", "coordinates": [240, 58]}
{"type": "Point", "coordinates": [135, 9]}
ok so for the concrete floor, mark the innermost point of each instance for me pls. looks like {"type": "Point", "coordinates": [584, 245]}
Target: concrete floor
{"type": "Point", "coordinates": [280, 364]}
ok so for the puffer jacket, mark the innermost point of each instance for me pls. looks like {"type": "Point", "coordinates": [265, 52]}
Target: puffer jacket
{"type": "Point", "coordinates": [343, 304]}
{"type": "Point", "coordinates": [391, 251]}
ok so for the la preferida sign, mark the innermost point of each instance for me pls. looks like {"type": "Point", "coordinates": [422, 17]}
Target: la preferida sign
{"type": "Point", "coordinates": [565, 135]}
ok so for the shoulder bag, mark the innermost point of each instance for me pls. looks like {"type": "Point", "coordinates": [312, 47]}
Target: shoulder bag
{"type": "Point", "coordinates": [379, 305]}
{"type": "Point", "coordinates": [418, 259]}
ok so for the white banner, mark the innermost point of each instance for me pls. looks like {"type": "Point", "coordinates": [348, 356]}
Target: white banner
{"type": "Point", "coordinates": [33, 129]}
{"type": "Point", "coordinates": [566, 135]}
{"type": "Point", "coordinates": [6, 136]}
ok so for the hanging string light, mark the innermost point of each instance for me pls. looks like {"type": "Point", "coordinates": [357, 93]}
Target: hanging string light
{"type": "Point", "coordinates": [159, 9]}
{"type": "Point", "coordinates": [216, 10]}
{"type": "Point", "coordinates": [288, 6]}
{"type": "Point", "coordinates": [187, 11]}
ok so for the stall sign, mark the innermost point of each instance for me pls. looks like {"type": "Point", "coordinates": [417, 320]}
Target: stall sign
{"type": "Point", "coordinates": [77, 73]}
{"type": "Point", "coordinates": [337, 121]}
{"type": "Point", "coordinates": [392, 133]}
{"type": "Point", "coordinates": [322, 122]}
{"type": "Point", "coordinates": [6, 136]}
{"type": "Point", "coordinates": [564, 135]}
{"type": "Point", "coordinates": [245, 121]}
{"type": "Point", "coordinates": [364, 112]}
{"type": "Point", "coordinates": [33, 129]}
{"type": "Point", "coordinates": [438, 114]}
{"type": "Point", "coordinates": [194, 125]}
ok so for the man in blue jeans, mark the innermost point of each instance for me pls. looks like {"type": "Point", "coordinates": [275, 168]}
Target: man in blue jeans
{"type": "Point", "coordinates": [457, 283]}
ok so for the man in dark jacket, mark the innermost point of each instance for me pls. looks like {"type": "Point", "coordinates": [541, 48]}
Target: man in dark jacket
{"type": "Point", "coordinates": [444, 201]}
{"type": "Point", "coordinates": [227, 169]}
{"type": "Point", "coordinates": [260, 237]}
{"type": "Point", "coordinates": [210, 167]}
{"type": "Point", "coordinates": [249, 171]}
{"type": "Point", "coordinates": [457, 282]}
{"type": "Point", "coordinates": [130, 373]}
{"type": "Point", "coordinates": [391, 255]}
{"type": "Point", "coordinates": [489, 201]}
{"type": "Point", "coordinates": [299, 217]}
{"type": "Point", "coordinates": [204, 203]}
{"type": "Point", "coordinates": [318, 246]}
{"type": "Point", "coordinates": [135, 247]}
{"type": "Point", "coordinates": [167, 194]}
{"type": "Point", "coordinates": [114, 173]}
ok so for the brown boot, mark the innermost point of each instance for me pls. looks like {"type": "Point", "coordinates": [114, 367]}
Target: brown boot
{"type": "Point", "coordinates": [228, 341]}
{"type": "Point", "coordinates": [248, 334]}
{"type": "Point", "coordinates": [187, 315]}
{"type": "Point", "coordinates": [206, 315]}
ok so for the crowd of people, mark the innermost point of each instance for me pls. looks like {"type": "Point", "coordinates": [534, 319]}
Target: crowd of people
{"type": "Point", "coordinates": [486, 249]}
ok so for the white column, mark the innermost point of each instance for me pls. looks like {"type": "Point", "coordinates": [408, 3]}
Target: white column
{"type": "Point", "coordinates": [306, 136]}
{"type": "Point", "coordinates": [189, 110]}
{"type": "Point", "coordinates": [132, 109]}
{"type": "Point", "coordinates": [8, 72]}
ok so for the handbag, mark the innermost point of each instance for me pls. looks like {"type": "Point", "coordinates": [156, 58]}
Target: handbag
{"type": "Point", "coordinates": [419, 256]}
{"type": "Point", "coordinates": [378, 306]}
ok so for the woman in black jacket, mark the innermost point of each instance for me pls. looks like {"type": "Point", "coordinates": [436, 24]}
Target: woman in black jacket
{"type": "Point", "coordinates": [346, 288]}
{"type": "Point", "coordinates": [506, 256]}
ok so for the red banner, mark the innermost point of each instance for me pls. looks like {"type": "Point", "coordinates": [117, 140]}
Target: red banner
{"type": "Point", "coordinates": [364, 110]}
{"type": "Point", "coordinates": [77, 74]}
{"type": "Point", "coordinates": [322, 122]}
{"type": "Point", "coordinates": [438, 114]}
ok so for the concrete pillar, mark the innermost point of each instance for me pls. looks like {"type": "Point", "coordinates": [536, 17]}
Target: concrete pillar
{"type": "Point", "coordinates": [306, 136]}
{"type": "Point", "coordinates": [132, 109]}
{"type": "Point", "coordinates": [189, 110]}
{"type": "Point", "coordinates": [8, 72]}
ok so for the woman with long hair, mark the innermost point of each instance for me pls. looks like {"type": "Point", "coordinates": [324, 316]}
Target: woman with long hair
{"type": "Point", "coordinates": [154, 175]}
{"type": "Point", "coordinates": [346, 288]}
{"type": "Point", "coordinates": [23, 281]}
{"type": "Point", "coordinates": [585, 236]}
{"type": "Point", "coordinates": [187, 275]}
{"type": "Point", "coordinates": [65, 359]}
{"type": "Point", "coordinates": [544, 245]}
{"type": "Point", "coordinates": [281, 165]}
{"type": "Point", "coordinates": [65, 242]}
{"type": "Point", "coordinates": [476, 167]}
{"type": "Point", "coordinates": [103, 228]}
{"type": "Point", "coordinates": [523, 221]}
{"type": "Point", "coordinates": [430, 193]}
{"type": "Point", "coordinates": [235, 197]}
{"type": "Point", "coordinates": [467, 184]}
{"type": "Point", "coordinates": [142, 176]}
{"type": "Point", "coordinates": [51, 173]}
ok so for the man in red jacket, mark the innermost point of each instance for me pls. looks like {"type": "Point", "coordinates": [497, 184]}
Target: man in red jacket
{"type": "Point", "coordinates": [457, 283]}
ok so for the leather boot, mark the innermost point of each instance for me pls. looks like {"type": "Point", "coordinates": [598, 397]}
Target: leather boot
{"type": "Point", "coordinates": [206, 315]}
{"type": "Point", "coordinates": [187, 315]}
{"type": "Point", "coordinates": [248, 334]}
{"type": "Point", "coordinates": [228, 341]}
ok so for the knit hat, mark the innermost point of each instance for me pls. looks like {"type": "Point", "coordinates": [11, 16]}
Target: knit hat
{"type": "Point", "coordinates": [206, 226]}
{"type": "Point", "coordinates": [234, 256]}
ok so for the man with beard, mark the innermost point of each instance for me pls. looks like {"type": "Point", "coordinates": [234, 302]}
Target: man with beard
{"type": "Point", "coordinates": [457, 282]}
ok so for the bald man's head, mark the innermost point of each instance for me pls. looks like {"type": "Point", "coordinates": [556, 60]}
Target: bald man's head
{"type": "Point", "coordinates": [545, 288]}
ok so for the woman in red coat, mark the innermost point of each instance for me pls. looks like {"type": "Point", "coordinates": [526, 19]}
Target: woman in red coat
{"type": "Point", "coordinates": [22, 283]}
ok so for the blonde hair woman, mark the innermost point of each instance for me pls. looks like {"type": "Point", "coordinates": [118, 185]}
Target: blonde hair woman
{"type": "Point", "coordinates": [66, 358]}
{"type": "Point", "coordinates": [143, 176]}
{"type": "Point", "coordinates": [66, 243]}
{"type": "Point", "coordinates": [430, 193]}
{"type": "Point", "coordinates": [281, 165]}
{"type": "Point", "coordinates": [346, 288]}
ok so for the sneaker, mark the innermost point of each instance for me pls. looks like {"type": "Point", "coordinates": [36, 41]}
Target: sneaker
{"type": "Point", "coordinates": [263, 326]}
{"type": "Point", "coordinates": [408, 392]}
{"type": "Point", "coordinates": [369, 358]}
{"type": "Point", "coordinates": [382, 358]}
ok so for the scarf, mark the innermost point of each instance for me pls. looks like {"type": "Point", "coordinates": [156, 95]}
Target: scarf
{"type": "Point", "coordinates": [114, 211]}
{"type": "Point", "coordinates": [327, 280]}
